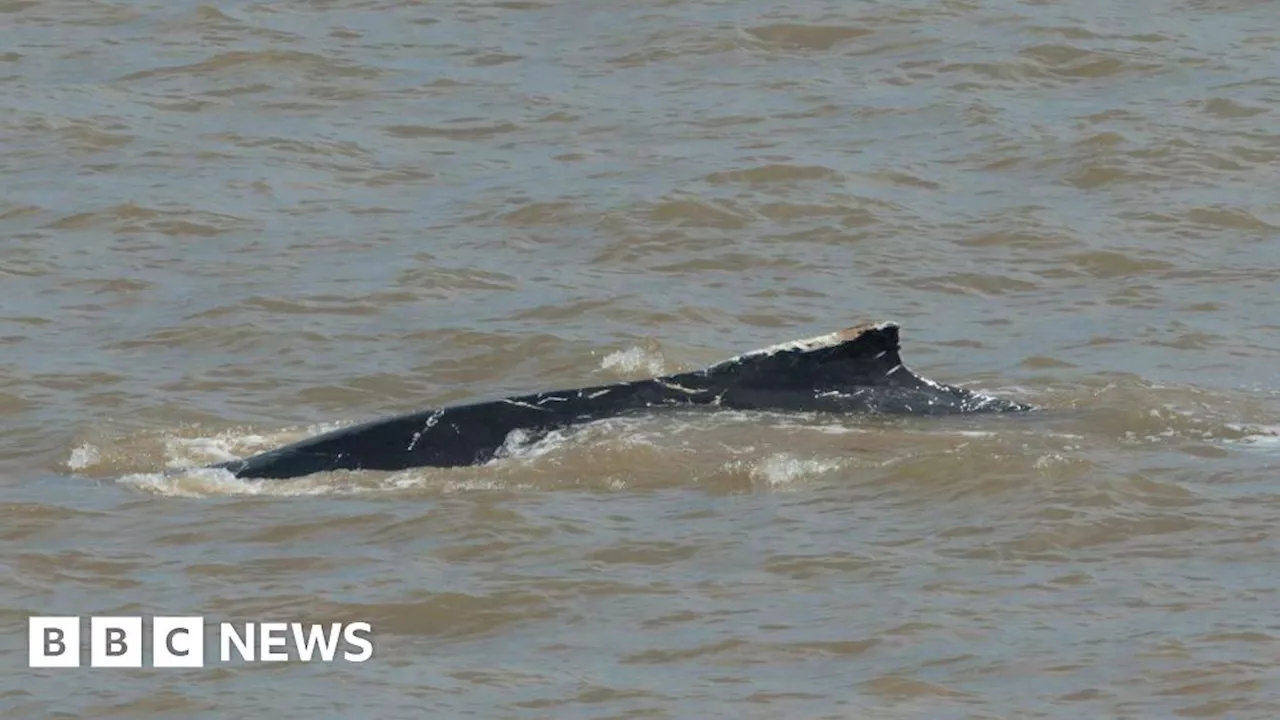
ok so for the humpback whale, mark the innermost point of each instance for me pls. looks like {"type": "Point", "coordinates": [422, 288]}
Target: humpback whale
{"type": "Point", "coordinates": [853, 371]}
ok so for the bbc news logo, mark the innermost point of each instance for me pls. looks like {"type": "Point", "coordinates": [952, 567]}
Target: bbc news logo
{"type": "Point", "coordinates": [179, 642]}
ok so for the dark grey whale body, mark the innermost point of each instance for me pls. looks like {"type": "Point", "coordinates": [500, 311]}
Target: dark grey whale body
{"type": "Point", "coordinates": [851, 371]}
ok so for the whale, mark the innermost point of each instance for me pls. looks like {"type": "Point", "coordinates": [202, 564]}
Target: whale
{"type": "Point", "coordinates": [855, 371]}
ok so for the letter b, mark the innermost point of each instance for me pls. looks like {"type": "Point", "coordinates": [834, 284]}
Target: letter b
{"type": "Point", "coordinates": [116, 645]}
{"type": "Point", "coordinates": [115, 642]}
{"type": "Point", "coordinates": [53, 642]}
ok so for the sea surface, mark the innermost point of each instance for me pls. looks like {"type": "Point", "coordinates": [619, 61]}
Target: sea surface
{"type": "Point", "coordinates": [228, 225]}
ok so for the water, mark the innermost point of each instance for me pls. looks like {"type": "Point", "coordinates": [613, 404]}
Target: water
{"type": "Point", "coordinates": [226, 226]}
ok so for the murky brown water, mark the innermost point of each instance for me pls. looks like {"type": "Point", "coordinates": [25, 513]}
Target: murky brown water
{"type": "Point", "coordinates": [223, 226]}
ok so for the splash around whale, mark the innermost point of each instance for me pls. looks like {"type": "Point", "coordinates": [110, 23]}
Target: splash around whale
{"type": "Point", "coordinates": [852, 371]}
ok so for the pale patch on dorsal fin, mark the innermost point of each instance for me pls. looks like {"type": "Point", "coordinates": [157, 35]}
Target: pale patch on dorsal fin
{"type": "Point", "coordinates": [819, 342]}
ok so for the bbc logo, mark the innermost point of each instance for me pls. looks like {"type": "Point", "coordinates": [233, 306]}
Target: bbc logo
{"type": "Point", "coordinates": [115, 642]}
{"type": "Point", "coordinates": [178, 642]}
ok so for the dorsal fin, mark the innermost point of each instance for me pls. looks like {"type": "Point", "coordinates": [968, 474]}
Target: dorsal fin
{"type": "Point", "coordinates": [861, 355]}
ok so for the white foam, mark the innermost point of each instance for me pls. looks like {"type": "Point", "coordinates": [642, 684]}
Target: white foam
{"type": "Point", "coordinates": [475, 485]}
{"type": "Point", "coordinates": [828, 429]}
{"type": "Point", "coordinates": [203, 482]}
{"type": "Point", "coordinates": [184, 452]}
{"type": "Point", "coordinates": [83, 457]}
{"type": "Point", "coordinates": [1265, 437]}
{"type": "Point", "coordinates": [783, 470]}
{"type": "Point", "coordinates": [185, 458]}
{"type": "Point", "coordinates": [634, 360]}
{"type": "Point", "coordinates": [1044, 462]}
{"type": "Point", "coordinates": [520, 444]}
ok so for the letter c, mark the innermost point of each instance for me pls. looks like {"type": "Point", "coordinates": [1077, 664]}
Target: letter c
{"type": "Point", "coordinates": [168, 642]}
